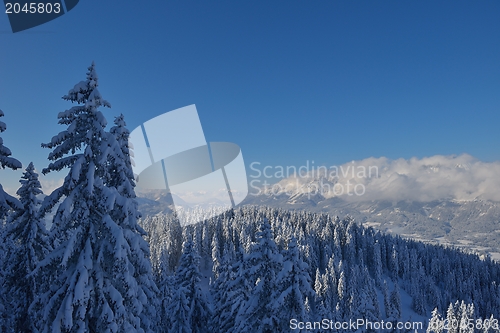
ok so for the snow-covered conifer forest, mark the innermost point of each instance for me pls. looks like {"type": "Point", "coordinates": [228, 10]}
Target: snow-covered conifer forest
{"type": "Point", "coordinates": [102, 267]}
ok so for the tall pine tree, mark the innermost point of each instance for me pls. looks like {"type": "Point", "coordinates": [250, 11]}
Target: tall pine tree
{"type": "Point", "coordinates": [293, 286]}
{"type": "Point", "coordinates": [27, 239]}
{"type": "Point", "coordinates": [188, 277]}
{"type": "Point", "coordinates": [263, 264]}
{"type": "Point", "coordinates": [98, 277]}
{"type": "Point", "coordinates": [126, 215]}
{"type": "Point", "coordinates": [7, 203]}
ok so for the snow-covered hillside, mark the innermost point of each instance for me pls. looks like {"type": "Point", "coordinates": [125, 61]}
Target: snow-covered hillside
{"type": "Point", "coordinates": [267, 266]}
{"type": "Point", "coordinates": [473, 225]}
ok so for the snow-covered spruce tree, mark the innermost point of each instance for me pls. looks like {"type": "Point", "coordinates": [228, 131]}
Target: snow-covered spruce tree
{"type": "Point", "coordinates": [95, 276]}
{"type": "Point", "coordinates": [179, 313]}
{"type": "Point", "coordinates": [293, 285]}
{"type": "Point", "coordinates": [395, 300]}
{"type": "Point", "coordinates": [263, 263]}
{"type": "Point", "coordinates": [216, 260]}
{"type": "Point", "coordinates": [7, 203]}
{"type": "Point", "coordinates": [125, 214]}
{"type": "Point", "coordinates": [368, 305]}
{"type": "Point", "coordinates": [26, 234]}
{"type": "Point", "coordinates": [218, 288]}
{"type": "Point", "coordinates": [466, 317]}
{"type": "Point", "coordinates": [166, 286]}
{"type": "Point", "coordinates": [330, 279]}
{"type": "Point", "coordinates": [342, 294]}
{"type": "Point", "coordinates": [320, 295]}
{"type": "Point", "coordinates": [188, 277]}
{"type": "Point", "coordinates": [230, 293]}
{"type": "Point", "coordinates": [435, 323]}
{"type": "Point", "coordinates": [387, 301]}
{"type": "Point", "coordinates": [451, 318]}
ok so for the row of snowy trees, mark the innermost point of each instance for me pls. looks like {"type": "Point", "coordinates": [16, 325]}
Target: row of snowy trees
{"type": "Point", "coordinates": [460, 318]}
{"type": "Point", "coordinates": [267, 266]}
{"type": "Point", "coordinates": [91, 271]}
{"type": "Point", "coordinates": [11, 293]}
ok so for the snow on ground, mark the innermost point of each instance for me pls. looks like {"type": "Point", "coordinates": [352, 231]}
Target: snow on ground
{"type": "Point", "coordinates": [408, 315]}
{"type": "Point", "coordinates": [371, 224]}
{"type": "Point", "coordinates": [495, 256]}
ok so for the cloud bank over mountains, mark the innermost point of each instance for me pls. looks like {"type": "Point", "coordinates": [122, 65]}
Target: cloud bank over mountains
{"type": "Point", "coordinates": [438, 177]}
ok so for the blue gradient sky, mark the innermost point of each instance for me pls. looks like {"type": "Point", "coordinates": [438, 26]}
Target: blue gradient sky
{"type": "Point", "coordinates": [289, 81]}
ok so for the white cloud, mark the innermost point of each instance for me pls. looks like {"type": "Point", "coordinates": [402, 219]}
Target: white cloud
{"type": "Point", "coordinates": [432, 178]}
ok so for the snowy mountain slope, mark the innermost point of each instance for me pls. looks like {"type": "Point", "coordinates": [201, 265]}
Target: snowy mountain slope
{"type": "Point", "coordinates": [473, 225]}
{"type": "Point", "coordinates": [442, 199]}
{"type": "Point", "coordinates": [354, 272]}
{"type": "Point", "coordinates": [155, 202]}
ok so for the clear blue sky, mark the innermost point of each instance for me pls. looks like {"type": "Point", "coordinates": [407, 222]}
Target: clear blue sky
{"type": "Point", "coordinates": [289, 81]}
